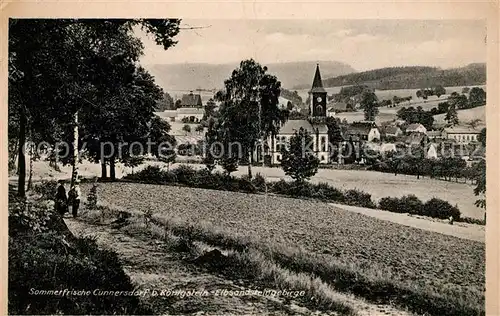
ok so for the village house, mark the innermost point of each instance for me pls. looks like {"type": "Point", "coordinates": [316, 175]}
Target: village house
{"type": "Point", "coordinates": [416, 128]}
{"type": "Point", "coordinates": [392, 131]}
{"type": "Point", "coordinates": [314, 125]}
{"type": "Point", "coordinates": [191, 110]}
{"type": "Point", "coordinates": [461, 134]}
{"type": "Point", "coordinates": [362, 132]}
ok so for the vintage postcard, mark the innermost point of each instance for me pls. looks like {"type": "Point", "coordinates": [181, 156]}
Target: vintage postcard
{"type": "Point", "coordinates": [250, 158]}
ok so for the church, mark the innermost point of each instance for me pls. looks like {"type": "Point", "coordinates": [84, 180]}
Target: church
{"type": "Point", "coordinates": [315, 125]}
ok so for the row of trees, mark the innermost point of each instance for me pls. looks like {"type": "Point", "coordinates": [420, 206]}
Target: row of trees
{"type": "Point", "coordinates": [79, 82]}
{"type": "Point", "coordinates": [426, 93]}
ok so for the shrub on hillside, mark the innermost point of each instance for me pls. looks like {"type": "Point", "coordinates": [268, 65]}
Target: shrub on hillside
{"type": "Point", "coordinates": [440, 209]}
{"type": "Point", "coordinates": [259, 182]}
{"type": "Point", "coordinates": [411, 204]}
{"type": "Point", "coordinates": [185, 174]}
{"type": "Point", "coordinates": [150, 174]}
{"type": "Point", "coordinates": [324, 191]}
{"type": "Point", "coordinates": [280, 187]}
{"type": "Point", "coordinates": [301, 189]}
{"type": "Point", "coordinates": [244, 185]}
{"type": "Point", "coordinates": [390, 204]}
{"type": "Point", "coordinates": [358, 198]}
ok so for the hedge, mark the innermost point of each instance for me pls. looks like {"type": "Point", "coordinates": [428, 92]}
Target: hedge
{"type": "Point", "coordinates": [435, 207]}
{"type": "Point", "coordinates": [202, 178]}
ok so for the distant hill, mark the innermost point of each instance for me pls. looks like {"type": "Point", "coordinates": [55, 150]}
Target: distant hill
{"type": "Point", "coordinates": [413, 77]}
{"type": "Point", "coordinates": [191, 76]}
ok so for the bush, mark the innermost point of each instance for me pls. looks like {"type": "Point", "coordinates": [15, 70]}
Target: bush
{"type": "Point", "coordinates": [47, 189]}
{"type": "Point", "coordinates": [390, 204]}
{"type": "Point", "coordinates": [45, 263]}
{"type": "Point", "coordinates": [280, 187]}
{"type": "Point", "coordinates": [259, 182]}
{"type": "Point", "coordinates": [440, 209]}
{"type": "Point", "coordinates": [324, 191]}
{"type": "Point", "coordinates": [411, 204]}
{"type": "Point", "coordinates": [358, 198]}
{"type": "Point", "coordinates": [185, 174]}
{"type": "Point", "coordinates": [245, 185]}
{"type": "Point", "coordinates": [150, 174]}
{"type": "Point", "coordinates": [301, 189]}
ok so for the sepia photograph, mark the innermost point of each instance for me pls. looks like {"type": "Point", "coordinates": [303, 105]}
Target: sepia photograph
{"type": "Point", "coordinates": [179, 166]}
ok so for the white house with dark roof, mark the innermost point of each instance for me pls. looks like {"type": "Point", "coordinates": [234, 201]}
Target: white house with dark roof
{"type": "Point", "coordinates": [318, 131]}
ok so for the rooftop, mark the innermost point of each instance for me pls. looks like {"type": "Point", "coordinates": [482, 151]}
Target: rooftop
{"type": "Point", "coordinates": [317, 85]}
{"type": "Point", "coordinates": [414, 126]}
{"type": "Point", "coordinates": [461, 130]}
{"type": "Point", "coordinates": [191, 100]}
{"type": "Point", "coordinates": [291, 126]}
{"type": "Point", "coordinates": [360, 128]}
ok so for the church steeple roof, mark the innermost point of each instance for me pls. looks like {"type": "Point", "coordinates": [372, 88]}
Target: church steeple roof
{"type": "Point", "coordinates": [317, 85]}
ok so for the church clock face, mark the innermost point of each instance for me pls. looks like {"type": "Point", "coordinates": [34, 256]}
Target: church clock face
{"type": "Point", "coordinates": [319, 99]}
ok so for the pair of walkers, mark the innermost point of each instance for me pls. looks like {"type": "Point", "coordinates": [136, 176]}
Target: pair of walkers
{"type": "Point", "coordinates": [63, 201]}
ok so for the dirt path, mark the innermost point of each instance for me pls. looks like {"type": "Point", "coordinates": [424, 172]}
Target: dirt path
{"type": "Point", "coordinates": [460, 230]}
{"type": "Point", "coordinates": [150, 266]}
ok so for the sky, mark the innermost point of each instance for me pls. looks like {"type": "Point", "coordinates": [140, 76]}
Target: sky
{"type": "Point", "coordinates": [363, 44]}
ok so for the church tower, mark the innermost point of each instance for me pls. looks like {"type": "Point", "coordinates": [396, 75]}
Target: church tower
{"type": "Point", "coordinates": [317, 95]}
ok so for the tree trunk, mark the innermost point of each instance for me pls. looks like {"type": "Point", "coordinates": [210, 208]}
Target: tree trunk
{"type": "Point", "coordinates": [104, 171]}
{"type": "Point", "coordinates": [22, 160]}
{"type": "Point", "coordinates": [30, 178]}
{"type": "Point", "coordinates": [74, 173]}
{"type": "Point", "coordinates": [250, 164]}
{"type": "Point", "coordinates": [112, 170]}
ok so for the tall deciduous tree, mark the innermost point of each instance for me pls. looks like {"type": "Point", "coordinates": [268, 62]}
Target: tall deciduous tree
{"type": "Point", "coordinates": [452, 116]}
{"type": "Point", "coordinates": [477, 97]}
{"type": "Point", "coordinates": [369, 104]}
{"type": "Point", "coordinates": [209, 109]}
{"type": "Point", "coordinates": [166, 103]}
{"type": "Point", "coordinates": [439, 90]}
{"type": "Point", "coordinates": [249, 106]}
{"type": "Point", "coordinates": [299, 160]}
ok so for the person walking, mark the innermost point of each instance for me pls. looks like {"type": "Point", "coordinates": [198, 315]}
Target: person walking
{"type": "Point", "coordinates": [74, 195]}
{"type": "Point", "coordinates": [61, 204]}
